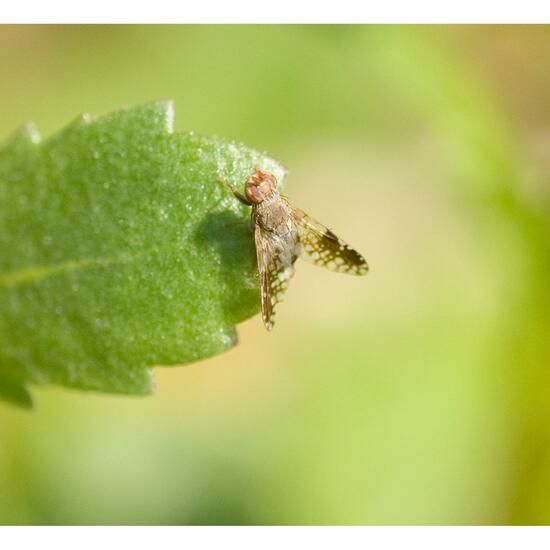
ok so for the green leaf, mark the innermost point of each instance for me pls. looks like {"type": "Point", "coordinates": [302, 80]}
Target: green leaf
{"type": "Point", "coordinates": [120, 250]}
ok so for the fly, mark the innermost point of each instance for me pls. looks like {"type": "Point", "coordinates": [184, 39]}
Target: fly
{"type": "Point", "coordinates": [281, 234]}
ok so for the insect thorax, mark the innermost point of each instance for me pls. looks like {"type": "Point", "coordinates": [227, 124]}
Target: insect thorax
{"type": "Point", "coordinates": [273, 214]}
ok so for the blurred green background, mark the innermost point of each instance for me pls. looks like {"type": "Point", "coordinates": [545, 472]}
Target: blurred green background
{"type": "Point", "coordinates": [417, 395]}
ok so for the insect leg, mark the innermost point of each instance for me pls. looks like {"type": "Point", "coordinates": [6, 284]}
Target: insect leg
{"type": "Point", "coordinates": [236, 193]}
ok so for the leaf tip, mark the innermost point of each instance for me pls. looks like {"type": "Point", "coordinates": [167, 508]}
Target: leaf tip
{"type": "Point", "coordinates": [31, 131]}
{"type": "Point", "coordinates": [85, 118]}
{"type": "Point", "coordinates": [26, 135]}
{"type": "Point", "coordinates": [16, 394]}
{"type": "Point", "coordinates": [170, 116]}
{"type": "Point", "coordinates": [82, 119]}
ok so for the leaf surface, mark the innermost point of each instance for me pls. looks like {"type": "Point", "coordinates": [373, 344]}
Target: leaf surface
{"type": "Point", "coordinates": [120, 250]}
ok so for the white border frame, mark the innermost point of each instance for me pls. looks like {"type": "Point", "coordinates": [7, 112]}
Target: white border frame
{"type": "Point", "coordinates": [275, 11]}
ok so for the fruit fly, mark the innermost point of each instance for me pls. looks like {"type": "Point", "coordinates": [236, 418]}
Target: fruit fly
{"type": "Point", "coordinates": [281, 234]}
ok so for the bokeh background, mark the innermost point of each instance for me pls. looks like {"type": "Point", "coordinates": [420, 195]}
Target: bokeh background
{"type": "Point", "coordinates": [417, 395]}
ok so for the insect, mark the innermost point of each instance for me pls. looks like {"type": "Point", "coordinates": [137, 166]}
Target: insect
{"type": "Point", "coordinates": [281, 234]}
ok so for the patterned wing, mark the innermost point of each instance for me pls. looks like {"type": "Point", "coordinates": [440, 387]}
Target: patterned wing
{"type": "Point", "coordinates": [276, 256]}
{"type": "Point", "coordinates": [325, 249]}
